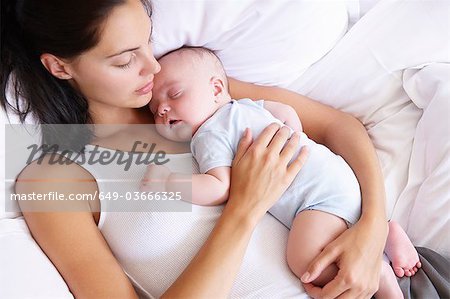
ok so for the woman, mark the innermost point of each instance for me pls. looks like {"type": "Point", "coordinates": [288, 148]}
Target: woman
{"type": "Point", "coordinates": [90, 62]}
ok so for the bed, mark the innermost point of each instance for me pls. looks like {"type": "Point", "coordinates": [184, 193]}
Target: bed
{"type": "Point", "coordinates": [385, 62]}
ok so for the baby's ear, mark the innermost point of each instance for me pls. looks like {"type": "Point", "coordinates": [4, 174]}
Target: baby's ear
{"type": "Point", "coordinates": [218, 85]}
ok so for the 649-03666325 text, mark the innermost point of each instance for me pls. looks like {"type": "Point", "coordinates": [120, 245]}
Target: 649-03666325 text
{"type": "Point", "coordinates": [57, 196]}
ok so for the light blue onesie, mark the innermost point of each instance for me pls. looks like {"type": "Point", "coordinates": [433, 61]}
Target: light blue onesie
{"type": "Point", "coordinates": [325, 183]}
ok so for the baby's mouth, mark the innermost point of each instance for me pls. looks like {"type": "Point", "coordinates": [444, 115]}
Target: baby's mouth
{"type": "Point", "coordinates": [174, 122]}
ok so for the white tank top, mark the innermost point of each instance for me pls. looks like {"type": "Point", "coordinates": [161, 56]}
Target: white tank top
{"type": "Point", "coordinates": [155, 247]}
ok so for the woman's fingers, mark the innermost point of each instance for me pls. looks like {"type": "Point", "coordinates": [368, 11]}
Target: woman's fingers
{"type": "Point", "coordinates": [312, 290]}
{"type": "Point", "coordinates": [359, 260]}
{"type": "Point", "coordinates": [243, 145]}
{"type": "Point", "coordinates": [335, 288]}
{"type": "Point", "coordinates": [320, 263]}
{"type": "Point", "coordinates": [352, 295]}
{"type": "Point", "coordinates": [266, 136]}
{"type": "Point", "coordinates": [298, 163]}
{"type": "Point", "coordinates": [341, 285]}
{"type": "Point", "coordinates": [279, 140]}
{"type": "Point", "coordinates": [260, 174]}
{"type": "Point", "coordinates": [321, 293]}
{"type": "Point", "coordinates": [290, 148]}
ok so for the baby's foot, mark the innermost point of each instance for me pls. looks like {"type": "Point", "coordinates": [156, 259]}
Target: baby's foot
{"type": "Point", "coordinates": [401, 252]}
{"type": "Point", "coordinates": [389, 287]}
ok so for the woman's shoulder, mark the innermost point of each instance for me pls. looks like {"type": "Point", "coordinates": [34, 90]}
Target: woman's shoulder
{"type": "Point", "coordinates": [63, 186]}
{"type": "Point", "coordinates": [54, 166]}
{"type": "Point", "coordinates": [65, 227]}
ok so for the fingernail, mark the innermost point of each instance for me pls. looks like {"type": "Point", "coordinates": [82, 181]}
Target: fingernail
{"type": "Point", "coordinates": [305, 277]}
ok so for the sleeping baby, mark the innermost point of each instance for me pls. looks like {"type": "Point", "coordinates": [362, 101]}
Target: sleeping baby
{"type": "Point", "coordinates": [191, 99]}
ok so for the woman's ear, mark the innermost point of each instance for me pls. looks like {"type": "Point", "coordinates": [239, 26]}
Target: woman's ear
{"type": "Point", "coordinates": [218, 86]}
{"type": "Point", "coordinates": [55, 66]}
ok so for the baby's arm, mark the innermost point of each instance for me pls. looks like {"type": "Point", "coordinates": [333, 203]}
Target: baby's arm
{"type": "Point", "coordinates": [208, 189]}
{"type": "Point", "coordinates": [285, 113]}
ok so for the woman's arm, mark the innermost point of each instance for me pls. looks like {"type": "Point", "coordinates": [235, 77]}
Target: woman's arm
{"type": "Point", "coordinates": [76, 247]}
{"type": "Point", "coordinates": [67, 233]}
{"type": "Point", "coordinates": [359, 250]}
{"type": "Point", "coordinates": [259, 176]}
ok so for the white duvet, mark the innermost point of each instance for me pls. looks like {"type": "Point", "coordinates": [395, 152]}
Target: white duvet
{"type": "Point", "coordinates": [391, 70]}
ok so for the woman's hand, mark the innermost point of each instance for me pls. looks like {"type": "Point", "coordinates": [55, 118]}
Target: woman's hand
{"type": "Point", "coordinates": [358, 254]}
{"type": "Point", "coordinates": [358, 251]}
{"type": "Point", "coordinates": [260, 171]}
{"type": "Point", "coordinates": [259, 175]}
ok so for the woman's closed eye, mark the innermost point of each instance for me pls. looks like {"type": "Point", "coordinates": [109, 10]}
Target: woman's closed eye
{"type": "Point", "coordinates": [128, 63]}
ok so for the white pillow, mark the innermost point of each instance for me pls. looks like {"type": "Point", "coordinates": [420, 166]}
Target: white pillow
{"type": "Point", "coordinates": [254, 42]}
{"type": "Point", "coordinates": [266, 42]}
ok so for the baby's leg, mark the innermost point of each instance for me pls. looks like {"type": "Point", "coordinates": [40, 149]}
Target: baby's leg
{"type": "Point", "coordinates": [401, 252]}
{"type": "Point", "coordinates": [311, 231]}
{"type": "Point", "coordinates": [388, 287]}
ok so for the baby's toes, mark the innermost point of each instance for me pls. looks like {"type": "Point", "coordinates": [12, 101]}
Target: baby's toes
{"type": "Point", "coordinates": [399, 271]}
{"type": "Point", "coordinates": [408, 273]}
{"type": "Point", "coordinates": [411, 263]}
{"type": "Point", "coordinates": [419, 264]}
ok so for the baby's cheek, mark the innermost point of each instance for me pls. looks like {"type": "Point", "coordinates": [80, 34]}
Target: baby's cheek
{"type": "Point", "coordinates": [158, 120]}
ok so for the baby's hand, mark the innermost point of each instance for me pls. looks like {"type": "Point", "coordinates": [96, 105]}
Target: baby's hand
{"type": "Point", "coordinates": [155, 178]}
{"type": "Point", "coordinates": [284, 113]}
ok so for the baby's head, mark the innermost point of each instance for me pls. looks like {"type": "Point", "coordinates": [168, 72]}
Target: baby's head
{"type": "Point", "coordinates": [190, 88]}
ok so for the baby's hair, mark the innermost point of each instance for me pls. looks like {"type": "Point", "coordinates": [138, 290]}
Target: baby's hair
{"type": "Point", "coordinates": [204, 54]}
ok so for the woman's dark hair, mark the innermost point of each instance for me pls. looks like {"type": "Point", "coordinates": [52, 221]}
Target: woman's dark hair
{"type": "Point", "coordinates": [65, 29]}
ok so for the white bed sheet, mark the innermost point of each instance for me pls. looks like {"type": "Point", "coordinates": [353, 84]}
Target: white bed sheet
{"type": "Point", "coordinates": [423, 207]}
{"type": "Point", "coordinates": [391, 71]}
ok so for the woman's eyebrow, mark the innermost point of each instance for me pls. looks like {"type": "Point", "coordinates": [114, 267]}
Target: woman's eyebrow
{"type": "Point", "coordinates": [123, 51]}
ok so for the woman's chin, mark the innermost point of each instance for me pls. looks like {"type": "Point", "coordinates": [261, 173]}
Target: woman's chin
{"type": "Point", "coordinates": [142, 100]}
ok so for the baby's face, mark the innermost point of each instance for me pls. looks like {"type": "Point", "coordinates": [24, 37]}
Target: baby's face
{"type": "Point", "coordinates": [183, 97]}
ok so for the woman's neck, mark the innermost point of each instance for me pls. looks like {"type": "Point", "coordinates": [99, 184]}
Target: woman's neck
{"type": "Point", "coordinates": [102, 114]}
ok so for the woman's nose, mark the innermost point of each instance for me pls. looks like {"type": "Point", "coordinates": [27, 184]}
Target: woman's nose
{"type": "Point", "coordinates": [150, 66]}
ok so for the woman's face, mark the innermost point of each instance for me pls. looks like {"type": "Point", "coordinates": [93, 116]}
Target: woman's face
{"type": "Point", "coordinates": [118, 72]}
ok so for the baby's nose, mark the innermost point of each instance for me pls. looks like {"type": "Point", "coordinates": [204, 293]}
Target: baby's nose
{"type": "Point", "coordinates": [163, 109]}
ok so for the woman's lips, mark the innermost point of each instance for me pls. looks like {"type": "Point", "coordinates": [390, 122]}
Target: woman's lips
{"type": "Point", "coordinates": [146, 89]}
